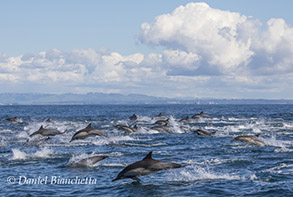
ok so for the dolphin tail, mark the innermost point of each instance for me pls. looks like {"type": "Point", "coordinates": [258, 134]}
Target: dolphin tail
{"type": "Point", "coordinates": [66, 130]}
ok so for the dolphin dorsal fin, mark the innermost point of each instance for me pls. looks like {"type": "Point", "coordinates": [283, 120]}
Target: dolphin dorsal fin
{"type": "Point", "coordinates": [149, 156]}
{"type": "Point", "coordinates": [257, 135]}
{"type": "Point", "coordinates": [41, 127]}
{"type": "Point", "coordinates": [89, 126]}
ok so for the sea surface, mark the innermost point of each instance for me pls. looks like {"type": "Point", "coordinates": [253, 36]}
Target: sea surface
{"type": "Point", "coordinates": [212, 165]}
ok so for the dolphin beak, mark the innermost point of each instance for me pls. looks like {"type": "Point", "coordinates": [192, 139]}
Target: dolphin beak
{"type": "Point", "coordinates": [115, 179]}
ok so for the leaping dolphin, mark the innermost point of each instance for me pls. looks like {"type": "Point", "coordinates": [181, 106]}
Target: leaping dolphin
{"type": "Point", "coordinates": [250, 139]}
{"type": "Point", "coordinates": [162, 122]}
{"type": "Point", "coordinates": [145, 167]}
{"type": "Point", "coordinates": [162, 128]}
{"type": "Point", "coordinates": [203, 133]}
{"type": "Point", "coordinates": [88, 162]}
{"type": "Point", "coordinates": [186, 119]}
{"type": "Point", "coordinates": [127, 129]}
{"type": "Point", "coordinates": [87, 132]}
{"type": "Point", "coordinates": [46, 132]}
{"type": "Point", "coordinates": [201, 115]}
{"type": "Point", "coordinates": [160, 116]}
{"type": "Point", "coordinates": [38, 141]}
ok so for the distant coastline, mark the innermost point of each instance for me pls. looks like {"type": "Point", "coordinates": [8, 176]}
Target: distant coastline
{"type": "Point", "coordinates": [116, 99]}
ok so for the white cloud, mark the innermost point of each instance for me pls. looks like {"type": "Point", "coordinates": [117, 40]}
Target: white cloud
{"type": "Point", "coordinates": [180, 59]}
{"type": "Point", "coordinates": [273, 49]}
{"type": "Point", "coordinates": [223, 42]}
{"type": "Point", "coordinates": [79, 70]}
{"type": "Point", "coordinates": [210, 34]}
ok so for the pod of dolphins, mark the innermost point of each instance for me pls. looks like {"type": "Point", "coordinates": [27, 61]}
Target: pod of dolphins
{"type": "Point", "coordinates": [147, 165]}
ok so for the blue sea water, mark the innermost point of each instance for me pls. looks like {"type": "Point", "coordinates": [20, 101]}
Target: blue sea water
{"type": "Point", "coordinates": [212, 165]}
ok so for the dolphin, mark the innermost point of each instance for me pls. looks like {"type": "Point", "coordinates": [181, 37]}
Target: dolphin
{"type": "Point", "coordinates": [87, 132]}
{"type": "Point", "coordinates": [126, 128]}
{"type": "Point", "coordinates": [145, 167]}
{"type": "Point", "coordinates": [186, 119]}
{"type": "Point", "coordinates": [162, 128]}
{"type": "Point", "coordinates": [38, 141]}
{"type": "Point", "coordinates": [133, 117]}
{"type": "Point", "coordinates": [161, 116]}
{"type": "Point", "coordinates": [200, 115]}
{"type": "Point", "coordinates": [250, 139]}
{"type": "Point", "coordinates": [203, 133]}
{"type": "Point", "coordinates": [46, 132]}
{"type": "Point", "coordinates": [186, 128]}
{"type": "Point", "coordinates": [162, 122]}
{"type": "Point", "coordinates": [88, 162]}
{"type": "Point", "coordinates": [13, 119]}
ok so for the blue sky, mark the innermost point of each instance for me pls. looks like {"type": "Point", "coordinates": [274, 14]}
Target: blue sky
{"type": "Point", "coordinates": [139, 47]}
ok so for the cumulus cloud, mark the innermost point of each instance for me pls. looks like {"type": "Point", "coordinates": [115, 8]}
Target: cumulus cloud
{"type": "Point", "coordinates": [210, 34]}
{"type": "Point", "coordinates": [222, 42]}
{"type": "Point", "coordinates": [273, 49]}
{"type": "Point", "coordinates": [78, 70]}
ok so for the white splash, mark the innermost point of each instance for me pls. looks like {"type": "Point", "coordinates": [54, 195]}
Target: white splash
{"type": "Point", "coordinates": [196, 173]}
{"type": "Point", "coordinates": [174, 125]}
{"type": "Point", "coordinates": [278, 143]}
{"type": "Point", "coordinates": [282, 168]}
{"type": "Point", "coordinates": [22, 134]}
{"type": "Point", "coordinates": [18, 155]}
{"type": "Point", "coordinates": [43, 153]}
{"type": "Point", "coordinates": [113, 165]}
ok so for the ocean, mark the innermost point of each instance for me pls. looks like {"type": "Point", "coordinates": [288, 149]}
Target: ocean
{"type": "Point", "coordinates": [211, 165]}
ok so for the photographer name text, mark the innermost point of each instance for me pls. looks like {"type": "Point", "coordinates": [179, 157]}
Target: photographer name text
{"type": "Point", "coordinates": [53, 180]}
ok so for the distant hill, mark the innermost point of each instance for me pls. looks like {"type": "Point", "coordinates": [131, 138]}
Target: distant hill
{"type": "Point", "coordinates": [90, 98]}
{"type": "Point", "coordinates": [101, 98]}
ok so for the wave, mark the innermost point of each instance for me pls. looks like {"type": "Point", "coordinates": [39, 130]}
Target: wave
{"type": "Point", "coordinates": [282, 168]}
{"type": "Point", "coordinates": [284, 145]}
{"type": "Point", "coordinates": [197, 173]}
{"type": "Point", "coordinates": [113, 165]}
